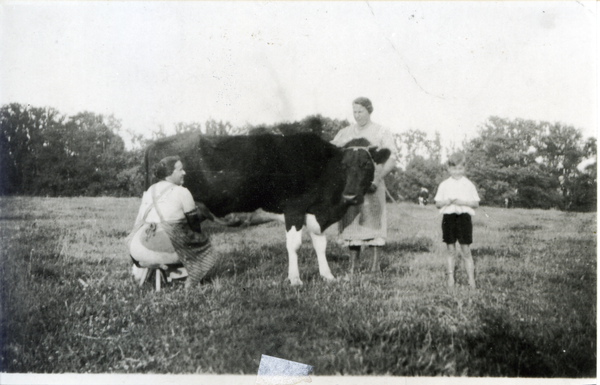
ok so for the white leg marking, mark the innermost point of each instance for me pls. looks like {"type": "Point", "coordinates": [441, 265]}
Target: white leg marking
{"type": "Point", "coordinates": [320, 244]}
{"type": "Point", "coordinates": [293, 242]}
{"type": "Point", "coordinates": [319, 241]}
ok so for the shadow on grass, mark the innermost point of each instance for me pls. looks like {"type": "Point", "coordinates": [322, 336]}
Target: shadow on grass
{"type": "Point", "coordinates": [22, 217]}
{"type": "Point", "coordinates": [494, 252]}
{"type": "Point", "coordinates": [267, 260]}
{"type": "Point", "coordinates": [506, 349]}
{"type": "Point", "coordinates": [414, 245]}
{"type": "Point", "coordinates": [393, 257]}
{"type": "Point", "coordinates": [416, 346]}
{"type": "Point", "coordinates": [524, 227]}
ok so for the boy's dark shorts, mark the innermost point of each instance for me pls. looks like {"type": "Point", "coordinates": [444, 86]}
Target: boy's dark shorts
{"type": "Point", "coordinates": [457, 227]}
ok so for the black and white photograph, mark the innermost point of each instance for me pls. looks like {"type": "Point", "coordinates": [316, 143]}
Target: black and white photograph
{"type": "Point", "coordinates": [280, 192]}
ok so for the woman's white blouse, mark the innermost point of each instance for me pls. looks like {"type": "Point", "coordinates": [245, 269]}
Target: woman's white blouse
{"type": "Point", "coordinates": [173, 204]}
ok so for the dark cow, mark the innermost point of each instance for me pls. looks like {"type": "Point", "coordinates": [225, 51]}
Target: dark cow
{"type": "Point", "coordinates": [308, 180]}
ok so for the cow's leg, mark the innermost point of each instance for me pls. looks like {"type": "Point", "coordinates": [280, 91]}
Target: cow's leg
{"type": "Point", "coordinates": [319, 241]}
{"type": "Point", "coordinates": [293, 242]}
{"type": "Point", "coordinates": [294, 222]}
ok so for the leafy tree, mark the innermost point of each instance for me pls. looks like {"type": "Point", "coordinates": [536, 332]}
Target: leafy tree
{"type": "Point", "coordinates": [583, 190]}
{"type": "Point", "coordinates": [561, 151]}
{"type": "Point", "coordinates": [501, 161]}
{"type": "Point", "coordinates": [51, 160]}
{"type": "Point", "coordinates": [420, 157]}
{"type": "Point", "coordinates": [22, 140]}
{"type": "Point", "coordinates": [330, 126]}
{"type": "Point", "coordinates": [220, 128]}
{"type": "Point", "coordinates": [130, 179]}
{"type": "Point", "coordinates": [186, 127]}
{"type": "Point", "coordinates": [98, 151]}
{"type": "Point", "coordinates": [420, 172]}
{"type": "Point", "coordinates": [533, 163]}
{"type": "Point", "coordinates": [536, 187]}
{"type": "Point", "coordinates": [14, 123]}
{"type": "Point", "coordinates": [582, 185]}
{"type": "Point", "coordinates": [159, 133]}
{"type": "Point", "coordinates": [83, 156]}
{"type": "Point", "coordinates": [416, 143]}
{"type": "Point", "coordinates": [590, 148]}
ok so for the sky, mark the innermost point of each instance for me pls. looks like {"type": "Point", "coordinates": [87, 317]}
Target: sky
{"type": "Point", "coordinates": [434, 66]}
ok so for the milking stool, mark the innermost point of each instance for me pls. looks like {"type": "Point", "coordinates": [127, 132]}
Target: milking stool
{"type": "Point", "coordinates": [162, 273]}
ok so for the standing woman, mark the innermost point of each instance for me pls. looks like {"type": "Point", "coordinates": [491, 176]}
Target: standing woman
{"type": "Point", "coordinates": [366, 224]}
{"type": "Point", "coordinates": [167, 229]}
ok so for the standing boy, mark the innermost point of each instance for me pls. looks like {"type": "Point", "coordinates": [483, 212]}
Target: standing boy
{"type": "Point", "coordinates": [457, 197]}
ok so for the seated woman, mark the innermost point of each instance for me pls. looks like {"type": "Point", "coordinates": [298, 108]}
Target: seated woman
{"type": "Point", "coordinates": [167, 229]}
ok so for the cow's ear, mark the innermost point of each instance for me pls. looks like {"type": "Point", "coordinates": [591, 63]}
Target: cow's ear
{"type": "Point", "coordinates": [380, 155]}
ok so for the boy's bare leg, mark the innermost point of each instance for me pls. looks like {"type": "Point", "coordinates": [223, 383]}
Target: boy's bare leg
{"type": "Point", "coordinates": [354, 255]}
{"type": "Point", "coordinates": [451, 263]}
{"type": "Point", "coordinates": [469, 264]}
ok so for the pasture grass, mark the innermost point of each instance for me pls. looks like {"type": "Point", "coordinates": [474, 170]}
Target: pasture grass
{"type": "Point", "coordinates": [69, 305]}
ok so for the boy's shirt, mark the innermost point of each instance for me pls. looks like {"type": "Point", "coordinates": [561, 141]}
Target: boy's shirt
{"type": "Point", "coordinates": [462, 189]}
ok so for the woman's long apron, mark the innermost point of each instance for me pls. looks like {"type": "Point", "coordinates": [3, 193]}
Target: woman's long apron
{"type": "Point", "coordinates": [365, 224]}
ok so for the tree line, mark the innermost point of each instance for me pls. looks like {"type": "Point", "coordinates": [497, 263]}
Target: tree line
{"type": "Point", "coordinates": [522, 163]}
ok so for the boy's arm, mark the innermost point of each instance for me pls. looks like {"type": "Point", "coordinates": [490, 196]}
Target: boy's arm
{"type": "Point", "coordinates": [439, 195]}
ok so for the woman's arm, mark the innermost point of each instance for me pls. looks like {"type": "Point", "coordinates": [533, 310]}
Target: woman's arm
{"type": "Point", "coordinates": [387, 142]}
{"type": "Point", "coordinates": [339, 139]}
{"type": "Point", "coordinates": [388, 166]}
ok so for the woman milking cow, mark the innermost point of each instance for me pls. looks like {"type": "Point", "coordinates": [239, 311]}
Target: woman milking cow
{"type": "Point", "coordinates": [167, 230]}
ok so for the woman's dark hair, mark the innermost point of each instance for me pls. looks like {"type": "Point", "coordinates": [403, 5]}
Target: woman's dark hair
{"type": "Point", "coordinates": [165, 167]}
{"type": "Point", "coordinates": [366, 103]}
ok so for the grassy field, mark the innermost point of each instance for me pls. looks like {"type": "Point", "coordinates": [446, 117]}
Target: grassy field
{"type": "Point", "coordinates": [69, 305]}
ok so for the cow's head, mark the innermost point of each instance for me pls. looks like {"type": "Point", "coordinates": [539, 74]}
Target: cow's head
{"type": "Point", "coordinates": [359, 162]}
